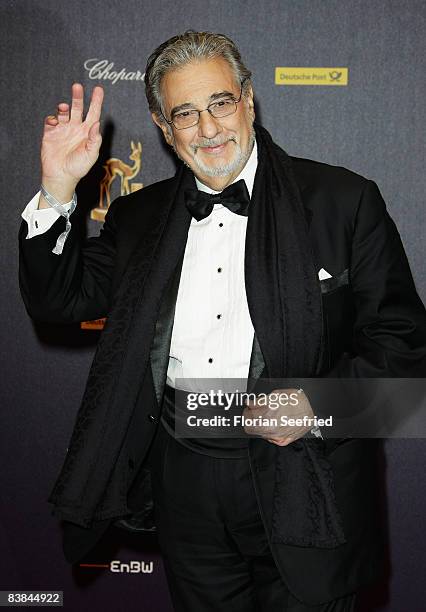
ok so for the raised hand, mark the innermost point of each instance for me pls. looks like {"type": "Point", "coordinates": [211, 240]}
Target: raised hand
{"type": "Point", "coordinates": [70, 145]}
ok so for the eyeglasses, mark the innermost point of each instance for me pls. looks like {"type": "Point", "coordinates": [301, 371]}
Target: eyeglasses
{"type": "Point", "coordinates": [219, 108]}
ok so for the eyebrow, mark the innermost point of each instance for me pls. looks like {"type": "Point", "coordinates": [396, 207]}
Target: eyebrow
{"type": "Point", "coordinates": [212, 98]}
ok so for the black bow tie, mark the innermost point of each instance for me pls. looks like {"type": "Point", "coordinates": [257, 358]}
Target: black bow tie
{"type": "Point", "coordinates": [235, 197]}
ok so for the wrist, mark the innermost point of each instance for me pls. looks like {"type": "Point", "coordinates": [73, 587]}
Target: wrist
{"type": "Point", "coordinates": [61, 190]}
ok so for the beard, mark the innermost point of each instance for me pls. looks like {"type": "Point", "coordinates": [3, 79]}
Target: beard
{"type": "Point", "coordinates": [240, 159]}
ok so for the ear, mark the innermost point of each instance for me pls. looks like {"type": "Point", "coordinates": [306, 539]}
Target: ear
{"type": "Point", "coordinates": [249, 97]}
{"type": "Point", "coordinates": [164, 127]}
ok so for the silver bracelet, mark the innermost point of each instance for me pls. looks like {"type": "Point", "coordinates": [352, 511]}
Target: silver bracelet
{"type": "Point", "coordinates": [315, 431]}
{"type": "Point", "coordinates": [64, 212]}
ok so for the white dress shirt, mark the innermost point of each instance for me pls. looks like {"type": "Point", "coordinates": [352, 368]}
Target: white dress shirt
{"type": "Point", "coordinates": [213, 333]}
{"type": "Point", "coordinates": [39, 221]}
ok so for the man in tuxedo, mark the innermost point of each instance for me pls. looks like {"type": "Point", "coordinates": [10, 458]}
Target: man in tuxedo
{"type": "Point", "coordinates": [247, 264]}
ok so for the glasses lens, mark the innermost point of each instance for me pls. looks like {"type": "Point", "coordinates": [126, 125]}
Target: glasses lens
{"type": "Point", "coordinates": [185, 119]}
{"type": "Point", "coordinates": [222, 108]}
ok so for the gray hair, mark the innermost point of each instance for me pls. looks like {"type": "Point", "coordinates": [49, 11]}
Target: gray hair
{"type": "Point", "coordinates": [183, 49]}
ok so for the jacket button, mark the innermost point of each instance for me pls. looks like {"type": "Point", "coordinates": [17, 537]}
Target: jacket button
{"type": "Point", "coordinates": [152, 418]}
{"type": "Point", "coordinates": [131, 464]}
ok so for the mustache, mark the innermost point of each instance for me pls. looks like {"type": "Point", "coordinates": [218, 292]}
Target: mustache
{"type": "Point", "coordinates": [212, 142]}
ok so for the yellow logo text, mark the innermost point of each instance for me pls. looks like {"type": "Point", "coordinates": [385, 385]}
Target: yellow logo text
{"type": "Point", "coordinates": [311, 76]}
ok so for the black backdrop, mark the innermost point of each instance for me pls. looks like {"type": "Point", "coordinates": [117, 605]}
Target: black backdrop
{"type": "Point", "coordinates": [373, 125]}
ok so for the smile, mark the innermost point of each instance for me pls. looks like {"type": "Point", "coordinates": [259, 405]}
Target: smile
{"type": "Point", "coordinates": [215, 150]}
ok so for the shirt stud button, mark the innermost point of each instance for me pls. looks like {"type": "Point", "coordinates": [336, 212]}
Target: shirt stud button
{"type": "Point", "coordinates": [219, 316]}
{"type": "Point", "coordinates": [220, 224]}
{"type": "Point", "coordinates": [219, 269]}
{"type": "Point", "coordinates": [210, 360]}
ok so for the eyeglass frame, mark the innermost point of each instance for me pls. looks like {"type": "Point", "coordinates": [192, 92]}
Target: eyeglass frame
{"type": "Point", "coordinates": [170, 122]}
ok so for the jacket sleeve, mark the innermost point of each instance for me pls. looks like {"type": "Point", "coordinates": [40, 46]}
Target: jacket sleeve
{"type": "Point", "coordinates": [389, 336]}
{"type": "Point", "coordinates": [389, 331]}
{"type": "Point", "coordinates": [71, 287]}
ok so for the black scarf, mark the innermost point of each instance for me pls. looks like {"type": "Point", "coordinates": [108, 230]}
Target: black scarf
{"type": "Point", "coordinates": [285, 304]}
{"type": "Point", "coordinates": [281, 278]}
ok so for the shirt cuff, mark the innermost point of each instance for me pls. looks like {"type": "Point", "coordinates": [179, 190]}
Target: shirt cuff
{"type": "Point", "coordinates": [41, 220]}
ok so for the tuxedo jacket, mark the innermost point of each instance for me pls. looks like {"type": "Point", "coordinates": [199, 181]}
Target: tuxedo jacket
{"type": "Point", "coordinates": [374, 326]}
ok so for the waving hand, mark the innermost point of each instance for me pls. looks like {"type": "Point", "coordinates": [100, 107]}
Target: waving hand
{"type": "Point", "coordinates": [70, 144]}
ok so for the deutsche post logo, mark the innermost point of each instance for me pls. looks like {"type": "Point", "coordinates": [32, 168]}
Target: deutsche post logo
{"type": "Point", "coordinates": [311, 76]}
{"type": "Point", "coordinates": [117, 169]}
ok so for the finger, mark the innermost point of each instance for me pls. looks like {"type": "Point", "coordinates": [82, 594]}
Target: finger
{"type": "Point", "coordinates": [280, 441]}
{"type": "Point", "coordinates": [77, 103]}
{"type": "Point", "coordinates": [263, 432]}
{"type": "Point", "coordinates": [253, 407]}
{"type": "Point", "coordinates": [293, 435]}
{"type": "Point", "coordinates": [94, 138]}
{"type": "Point", "coordinates": [63, 113]}
{"type": "Point", "coordinates": [95, 108]}
{"type": "Point", "coordinates": [50, 122]}
{"type": "Point", "coordinates": [276, 441]}
{"type": "Point", "coordinates": [287, 437]}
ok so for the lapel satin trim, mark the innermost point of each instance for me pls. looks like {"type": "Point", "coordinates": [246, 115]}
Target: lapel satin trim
{"type": "Point", "coordinates": [160, 349]}
{"type": "Point", "coordinates": [257, 364]}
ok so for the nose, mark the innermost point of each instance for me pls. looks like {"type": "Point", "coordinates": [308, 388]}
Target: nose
{"type": "Point", "coordinates": [208, 127]}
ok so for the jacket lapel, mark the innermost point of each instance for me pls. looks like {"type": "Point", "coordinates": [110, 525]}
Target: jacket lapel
{"type": "Point", "coordinates": [160, 348]}
{"type": "Point", "coordinates": [257, 364]}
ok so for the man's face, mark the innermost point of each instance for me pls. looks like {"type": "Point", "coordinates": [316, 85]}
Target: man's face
{"type": "Point", "coordinates": [216, 150]}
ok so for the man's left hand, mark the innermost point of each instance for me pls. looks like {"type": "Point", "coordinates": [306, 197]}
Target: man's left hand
{"type": "Point", "coordinates": [281, 405]}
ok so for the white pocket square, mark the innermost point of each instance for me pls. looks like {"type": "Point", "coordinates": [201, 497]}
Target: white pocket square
{"type": "Point", "coordinates": [323, 274]}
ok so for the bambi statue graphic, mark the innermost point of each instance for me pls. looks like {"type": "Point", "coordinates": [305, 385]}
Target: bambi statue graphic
{"type": "Point", "coordinates": [114, 168]}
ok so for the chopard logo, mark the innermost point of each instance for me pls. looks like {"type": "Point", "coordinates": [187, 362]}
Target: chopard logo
{"type": "Point", "coordinates": [104, 70]}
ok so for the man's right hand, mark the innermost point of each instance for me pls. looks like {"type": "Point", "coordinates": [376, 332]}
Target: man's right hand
{"type": "Point", "coordinates": [70, 146]}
